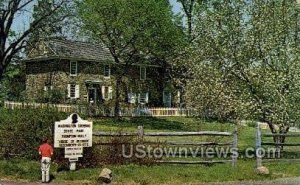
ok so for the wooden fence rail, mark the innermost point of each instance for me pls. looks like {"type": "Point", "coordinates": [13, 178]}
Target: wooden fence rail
{"type": "Point", "coordinates": [260, 144]}
{"type": "Point", "coordinates": [97, 111]}
{"type": "Point", "coordinates": [141, 135]}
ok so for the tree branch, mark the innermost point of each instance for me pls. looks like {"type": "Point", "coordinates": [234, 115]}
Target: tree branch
{"type": "Point", "coordinates": [33, 26]}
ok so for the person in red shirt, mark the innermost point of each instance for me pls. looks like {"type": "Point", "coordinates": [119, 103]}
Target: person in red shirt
{"type": "Point", "coordinates": [46, 152]}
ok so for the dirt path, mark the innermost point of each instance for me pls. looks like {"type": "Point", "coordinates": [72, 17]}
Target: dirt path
{"type": "Point", "coordinates": [8, 182]}
{"type": "Point", "coordinates": [285, 181]}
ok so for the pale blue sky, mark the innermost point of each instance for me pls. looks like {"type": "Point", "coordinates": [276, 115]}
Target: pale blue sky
{"type": "Point", "coordinates": [22, 20]}
{"type": "Point", "coordinates": [176, 6]}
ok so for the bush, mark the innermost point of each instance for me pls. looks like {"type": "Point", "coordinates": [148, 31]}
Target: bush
{"type": "Point", "coordinates": [51, 96]}
{"type": "Point", "coordinates": [112, 152]}
{"type": "Point", "coordinates": [21, 131]}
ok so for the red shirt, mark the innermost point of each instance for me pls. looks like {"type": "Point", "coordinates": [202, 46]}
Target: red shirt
{"type": "Point", "coordinates": [46, 150]}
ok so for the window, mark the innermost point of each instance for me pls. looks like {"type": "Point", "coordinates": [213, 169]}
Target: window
{"type": "Point", "coordinates": [132, 98]}
{"type": "Point", "coordinates": [107, 71]}
{"type": "Point", "coordinates": [107, 92]}
{"type": "Point", "coordinates": [73, 91]}
{"type": "Point", "coordinates": [143, 72]}
{"type": "Point", "coordinates": [143, 98]}
{"type": "Point", "coordinates": [48, 87]}
{"type": "Point", "coordinates": [73, 68]}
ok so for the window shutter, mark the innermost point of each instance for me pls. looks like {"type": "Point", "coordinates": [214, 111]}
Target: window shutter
{"type": "Point", "coordinates": [110, 92]}
{"type": "Point", "coordinates": [69, 90]}
{"type": "Point", "coordinates": [103, 92]}
{"type": "Point", "coordinates": [139, 98]}
{"type": "Point", "coordinates": [146, 97]}
{"type": "Point", "coordinates": [77, 95]}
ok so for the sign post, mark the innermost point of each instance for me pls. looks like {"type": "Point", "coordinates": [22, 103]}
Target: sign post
{"type": "Point", "coordinates": [73, 134]}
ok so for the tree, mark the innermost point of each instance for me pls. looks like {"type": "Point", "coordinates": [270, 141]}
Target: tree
{"type": "Point", "coordinates": [13, 83]}
{"type": "Point", "coordinates": [190, 8]}
{"type": "Point", "coordinates": [253, 50]}
{"type": "Point", "coordinates": [134, 31]}
{"type": "Point", "coordinates": [9, 9]}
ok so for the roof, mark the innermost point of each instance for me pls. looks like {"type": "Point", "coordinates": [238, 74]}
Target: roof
{"type": "Point", "coordinates": [67, 49]}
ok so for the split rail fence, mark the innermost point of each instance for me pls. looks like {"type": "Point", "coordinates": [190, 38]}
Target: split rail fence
{"type": "Point", "coordinates": [144, 139]}
{"type": "Point", "coordinates": [97, 111]}
{"type": "Point", "coordinates": [279, 150]}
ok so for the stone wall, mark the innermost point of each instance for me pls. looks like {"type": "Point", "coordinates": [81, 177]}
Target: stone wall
{"type": "Point", "coordinates": [56, 73]}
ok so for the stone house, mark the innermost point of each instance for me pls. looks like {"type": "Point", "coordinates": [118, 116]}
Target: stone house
{"type": "Point", "coordinates": [84, 73]}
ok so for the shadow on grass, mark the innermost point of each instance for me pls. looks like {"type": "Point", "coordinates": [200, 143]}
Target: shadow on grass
{"type": "Point", "coordinates": [148, 123]}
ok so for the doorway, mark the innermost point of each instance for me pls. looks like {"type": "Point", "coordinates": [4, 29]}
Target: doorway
{"type": "Point", "coordinates": [92, 95]}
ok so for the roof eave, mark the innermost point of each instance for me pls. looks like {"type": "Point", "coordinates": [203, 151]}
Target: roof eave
{"type": "Point", "coordinates": [63, 58]}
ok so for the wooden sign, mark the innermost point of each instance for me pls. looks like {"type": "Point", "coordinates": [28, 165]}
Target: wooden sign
{"type": "Point", "coordinates": [73, 134]}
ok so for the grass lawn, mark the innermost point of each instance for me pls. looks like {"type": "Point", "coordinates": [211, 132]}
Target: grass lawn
{"type": "Point", "coordinates": [161, 174]}
{"type": "Point", "coordinates": [246, 134]}
{"type": "Point", "coordinates": [157, 174]}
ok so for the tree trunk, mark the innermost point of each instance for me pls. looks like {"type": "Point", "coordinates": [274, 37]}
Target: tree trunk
{"type": "Point", "coordinates": [275, 138]}
{"type": "Point", "coordinates": [278, 140]}
{"type": "Point", "coordinates": [189, 20]}
{"type": "Point", "coordinates": [2, 61]}
{"type": "Point", "coordinates": [1, 74]}
{"type": "Point", "coordinates": [117, 102]}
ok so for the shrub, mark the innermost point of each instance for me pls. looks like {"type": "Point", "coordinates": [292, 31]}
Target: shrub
{"type": "Point", "coordinates": [112, 152]}
{"type": "Point", "coordinates": [51, 96]}
{"type": "Point", "coordinates": [21, 131]}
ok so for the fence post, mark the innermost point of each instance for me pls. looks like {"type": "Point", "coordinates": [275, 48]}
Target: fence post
{"type": "Point", "coordinates": [235, 147]}
{"type": "Point", "coordinates": [258, 147]}
{"type": "Point", "coordinates": [140, 133]}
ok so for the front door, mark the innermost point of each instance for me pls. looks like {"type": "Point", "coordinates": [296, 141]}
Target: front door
{"type": "Point", "coordinates": [92, 95]}
{"type": "Point", "coordinates": [167, 99]}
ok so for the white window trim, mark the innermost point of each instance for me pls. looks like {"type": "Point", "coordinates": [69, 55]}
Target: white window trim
{"type": "Point", "coordinates": [109, 73]}
{"type": "Point", "coordinates": [145, 73]}
{"type": "Point", "coordinates": [76, 63]}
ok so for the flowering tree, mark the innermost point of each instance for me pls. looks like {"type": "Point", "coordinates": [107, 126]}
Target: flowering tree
{"type": "Point", "coordinates": [245, 62]}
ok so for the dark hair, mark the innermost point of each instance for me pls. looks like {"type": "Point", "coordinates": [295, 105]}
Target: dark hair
{"type": "Point", "coordinates": [45, 140]}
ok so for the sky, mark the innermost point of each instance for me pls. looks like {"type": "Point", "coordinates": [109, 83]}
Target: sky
{"type": "Point", "coordinates": [22, 20]}
{"type": "Point", "coordinates": [176, 6]}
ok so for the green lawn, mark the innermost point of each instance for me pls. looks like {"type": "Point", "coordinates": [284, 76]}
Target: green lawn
{"type": "Point", "coordinates": [156, 174]}
{"type": "Point", "coordinates": [246, 134]}
{"type": "Point", "coordinates": [162, 174]}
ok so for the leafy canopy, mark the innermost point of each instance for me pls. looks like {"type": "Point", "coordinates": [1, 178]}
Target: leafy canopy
{"type": "Point", "coordinates": [133, 28]}
{"type": "Point", "coordinates": [251, 52]}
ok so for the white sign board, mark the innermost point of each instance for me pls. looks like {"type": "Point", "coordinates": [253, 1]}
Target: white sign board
{"type": "Point", "coordinates": [73, 134]}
